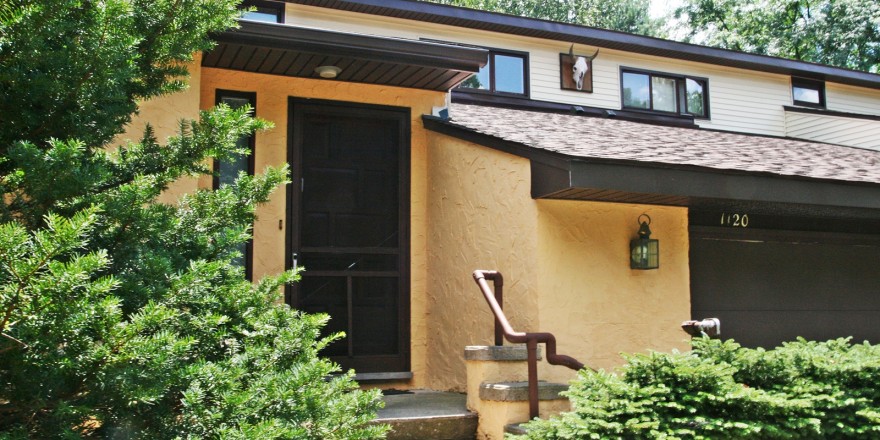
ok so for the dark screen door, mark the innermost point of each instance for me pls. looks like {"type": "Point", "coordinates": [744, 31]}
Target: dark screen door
{"type": "Point", "coordinates": [349, 209]}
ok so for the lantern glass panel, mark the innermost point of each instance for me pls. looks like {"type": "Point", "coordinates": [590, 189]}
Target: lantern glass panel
{"type": "Point", "coordinates": [644, 254]}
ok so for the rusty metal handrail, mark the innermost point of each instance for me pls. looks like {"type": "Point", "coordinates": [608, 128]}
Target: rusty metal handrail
{"type": "Point", "coordinates": [503, 327]}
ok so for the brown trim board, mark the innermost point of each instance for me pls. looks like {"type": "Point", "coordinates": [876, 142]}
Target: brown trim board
{"type": "Point", "coordinates": [340, 44]}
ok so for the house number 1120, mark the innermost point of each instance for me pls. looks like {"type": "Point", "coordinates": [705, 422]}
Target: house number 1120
{"type": "Point", "coordinates": [735, 220]}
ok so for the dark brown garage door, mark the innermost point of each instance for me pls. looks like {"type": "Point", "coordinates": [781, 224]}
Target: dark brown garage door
{"type": "Point", "coordinates": [773, 286]}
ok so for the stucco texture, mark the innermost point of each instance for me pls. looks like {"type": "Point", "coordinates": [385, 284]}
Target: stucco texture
{"type": "Point", "coordinates": [595, 305]}
{"type": "Point", "coordinates": [271, 150]}
{"type": "Point", "coordinates": [164, 114]}
{"type": "Point", "coordinates": [480, 216]}
{"type": "Point", "coordinates": [565, 265]}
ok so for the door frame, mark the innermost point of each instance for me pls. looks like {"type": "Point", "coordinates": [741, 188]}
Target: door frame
{"type": "Point", "coordinates": [401, 115]}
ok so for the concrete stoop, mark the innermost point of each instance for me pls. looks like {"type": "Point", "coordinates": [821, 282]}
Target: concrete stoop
{"type": "Point", "coordinates": [499, 393]}
{"type": "Point", "coordinates": [428, 415]}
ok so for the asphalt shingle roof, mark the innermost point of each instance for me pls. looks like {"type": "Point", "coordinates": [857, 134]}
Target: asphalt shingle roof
{"type": "Point", "coordinates": [610, 139]}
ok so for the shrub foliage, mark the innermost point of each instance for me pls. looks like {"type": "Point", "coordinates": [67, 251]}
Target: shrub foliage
{"type": "Point", "coordinates": [803, 389]}
{"type": "Point", "coordinates": [122, 317]}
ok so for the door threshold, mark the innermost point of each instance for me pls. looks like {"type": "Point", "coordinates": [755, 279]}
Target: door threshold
{"type": "Point", "coordinates": [383, 376]}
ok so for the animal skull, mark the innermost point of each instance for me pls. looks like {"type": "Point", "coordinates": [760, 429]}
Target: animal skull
{"type": "Point", "coordinates": [579, 67]}
{"type": "Point", "coordinates": [578, 70]}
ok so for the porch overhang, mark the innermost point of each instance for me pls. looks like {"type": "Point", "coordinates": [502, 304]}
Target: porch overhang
{"type": "Point", "coordinates": [616, 168]}
{"type": "Point", "coordinates": [279, 49]}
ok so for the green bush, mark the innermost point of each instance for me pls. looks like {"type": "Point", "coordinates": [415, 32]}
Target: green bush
{"type": "Point", "coordinates": [803, 389]}
{"type": "Point", "coordinates": [122, 317]}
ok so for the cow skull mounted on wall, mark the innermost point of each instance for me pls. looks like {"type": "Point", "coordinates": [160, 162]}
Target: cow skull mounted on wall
{"type": "Point", "coordinates": [579, 66]}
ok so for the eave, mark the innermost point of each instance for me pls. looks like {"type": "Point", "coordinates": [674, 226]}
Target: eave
{"type": "Point", "coordinates": [280, 49]}
{"type": "Point", "coordinates": [565, 177]}
{"type": "Point", "coordinates": [571, 33]}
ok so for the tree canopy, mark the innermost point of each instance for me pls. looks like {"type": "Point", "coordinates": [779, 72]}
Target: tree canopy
{"type": "Point", "coordinates": [844, 33]}
{"type": "Point", "coordinates": [122, 317]}
{"type": "Point", "coordinates": [620, 15]}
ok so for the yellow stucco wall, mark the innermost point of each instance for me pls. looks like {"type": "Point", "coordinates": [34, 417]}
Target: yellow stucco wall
{"type": "Point", "coordinates": [271, 150]}
{"type": "Point", "coordinates": [591, 300]}
{"type": "Point", "coordinates": [480, 216]}
{"type": "Point", "coordinates": [565, 265]}
{"type": "Point", "coordinates": [164, 114]}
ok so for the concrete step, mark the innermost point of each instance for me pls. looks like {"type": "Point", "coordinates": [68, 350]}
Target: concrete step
{"type": "Point", "coordinates": [519, 391]}
{"type": "Point", "coordinates": [499, 353]}
{"type": "Point", "coordinates": [514, 428]}
{"type": "Point", "coordinates": [428, 415]}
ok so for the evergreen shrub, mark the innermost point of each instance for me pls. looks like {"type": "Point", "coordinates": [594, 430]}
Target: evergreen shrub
{"type": "Point", "coordinates": [123, 317]}
{"type": "Point", "coordinates": [801, 390]}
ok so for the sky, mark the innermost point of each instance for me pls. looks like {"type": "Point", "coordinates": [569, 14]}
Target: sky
{"type": "Point", "coordinates": [660, 7]}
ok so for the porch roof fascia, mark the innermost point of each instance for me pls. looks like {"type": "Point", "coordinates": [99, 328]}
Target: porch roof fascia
{"type": "Point", "coordinates": [579, 34]}
{"type": "Point", "coordinates": [457, 62]}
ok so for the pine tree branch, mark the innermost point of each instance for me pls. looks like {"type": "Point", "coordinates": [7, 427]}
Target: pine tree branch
{"type": "Point", "coordinates": [20, 342]}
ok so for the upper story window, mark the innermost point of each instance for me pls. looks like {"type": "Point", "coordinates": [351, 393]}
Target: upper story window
{"type": "Point", "coordinates": [266, 11]}
{"type": "Point", "coordinates": [505, 73]}
{"type": "Point", "coordinates": [808, 92]}
{"type": "Point", "coordinates": [663, 92]}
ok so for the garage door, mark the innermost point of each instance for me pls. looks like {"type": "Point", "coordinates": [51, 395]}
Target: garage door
{"type": "Point", "coordinates": [773, 286]}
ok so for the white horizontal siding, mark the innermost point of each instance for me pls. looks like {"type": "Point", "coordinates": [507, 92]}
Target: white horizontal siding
{"type": "Point", "coordinates": [851, 99]}
{"type": "Point", "coordinates": [739, 100]}
{"type": "Point", "coordinates": [852, 132]}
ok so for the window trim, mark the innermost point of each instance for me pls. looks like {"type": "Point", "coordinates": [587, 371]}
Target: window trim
{"type": "Point", "coordinates": [266, 6]}
{"type": "Point", "coordinates": [219, 94]}
{"type": "Point", "coordinates": [491, 90]}
{"type": "Point", "coordinates": [680, 92]}
{"type": "Point", "coordinates": [807, 83]}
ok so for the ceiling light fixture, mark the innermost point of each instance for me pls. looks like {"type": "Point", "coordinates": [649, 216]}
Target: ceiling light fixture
{"type": "Point", "coordinates": [328, 72]}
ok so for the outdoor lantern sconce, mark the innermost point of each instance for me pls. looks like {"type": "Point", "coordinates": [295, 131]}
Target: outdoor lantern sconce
{"type": "Point", "coordinates": [644, 252]}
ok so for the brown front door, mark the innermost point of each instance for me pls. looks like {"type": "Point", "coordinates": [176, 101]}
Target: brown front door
{"type": "Point", "coordinates": [349, 217]}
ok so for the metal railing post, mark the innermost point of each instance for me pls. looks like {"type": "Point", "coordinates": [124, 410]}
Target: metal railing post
{"type": "Point", "coordinates": [499, 296]}
{"type": "Point", "coordinates": [532, 348]}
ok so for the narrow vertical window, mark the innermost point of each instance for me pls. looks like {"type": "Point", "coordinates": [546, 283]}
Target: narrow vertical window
{"type": "Point", "coordinates": [663, 94]}
{"type": "Point", "coordinates": [695, 97]}
{"type": "Point", "coordinates": [509, 74]}
{"type": "Point", "coordinates": [636, 90]}
{"type": "Point", "coordinates": [225, 172]}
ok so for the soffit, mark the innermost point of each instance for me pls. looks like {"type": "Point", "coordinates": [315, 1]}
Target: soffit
{"type": "Point", "coordinates": [280, 49]}
{"type": "Point", "coordinates": [594, 158]}
{"type": "Point", "coordinates": [529, 27]}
